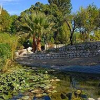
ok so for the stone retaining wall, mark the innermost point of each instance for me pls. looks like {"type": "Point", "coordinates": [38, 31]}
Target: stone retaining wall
{"type": "Point", "coordinates": [85, 46]}
{"type": "Point", "coordinates": [72, 54]}
{"type": "Point", "coordinates": [75, 51]}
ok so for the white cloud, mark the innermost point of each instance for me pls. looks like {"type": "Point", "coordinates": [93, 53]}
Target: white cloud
{"type": "Point", "coordinates": [8, 1]}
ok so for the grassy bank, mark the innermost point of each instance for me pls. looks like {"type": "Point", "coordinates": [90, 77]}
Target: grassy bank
{"type": "Point", "coordinates": [8, 45]}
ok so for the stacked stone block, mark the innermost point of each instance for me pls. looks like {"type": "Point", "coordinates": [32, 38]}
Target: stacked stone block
{"type": "Point", "coordinates": [75, 51]}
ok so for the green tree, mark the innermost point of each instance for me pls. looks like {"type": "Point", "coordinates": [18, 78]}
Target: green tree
{"type": "Point", "coordinates": [59, 9]}
{"type": "Point", "coordinates": [71, 23]}
{"type": "Point", "coordinates": [64, 34]}
{"type": "Point", "coordinates": [13, 25]}
{"type": "Point", "coordinates": [97, 20]}
{"type": "Point", "coordinates": [55, 14]}
{"type": "Point", "coordinates": [36, 24]}
{"type": "Point", "coordinates": [86, 21]}
{"type": "Point", "coordinates": [4, 21]}
{"type": "Point", "coordinates": [63, 5]}
{"type": "Point", "coordinates": [91, 15]}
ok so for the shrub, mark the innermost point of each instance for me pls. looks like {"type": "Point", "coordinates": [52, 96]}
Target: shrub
{"type": "Point", "coordinates": [5, 51]}
{"type": "Point", "coordinates": [8, 44]}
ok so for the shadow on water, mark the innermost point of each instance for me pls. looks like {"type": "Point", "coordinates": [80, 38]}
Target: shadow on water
{"type": "Point", "coordinates": [17, 97]}
{"type": "Point", "coordinates": [43, 98]}
{"type": "Point", "coordinates": [35, 98]}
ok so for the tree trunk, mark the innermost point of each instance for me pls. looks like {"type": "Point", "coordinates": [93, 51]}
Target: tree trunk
{"type": "Point", "coordinates": [71, 38]}
{"type": "Point", "coordinates": [71, 29]}
{"type": "Point", "coordinates": [34, 43]}
{"type": "Point", "coordinates": [38, 44]}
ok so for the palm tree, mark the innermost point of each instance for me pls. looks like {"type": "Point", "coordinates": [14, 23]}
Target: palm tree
{"type": "Point", "coordinates": [36, 24]}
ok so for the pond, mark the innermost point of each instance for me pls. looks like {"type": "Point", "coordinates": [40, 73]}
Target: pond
{"type": "Point", "coordinates": [43, 84]}
{"type": "Point", "coordinates": [88, 85]}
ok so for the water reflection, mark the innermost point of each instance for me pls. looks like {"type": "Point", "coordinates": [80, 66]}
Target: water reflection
{"type": "Point", "coordinates": [71, 83]}
{"type": "Point", "coordinates": [43, 98]}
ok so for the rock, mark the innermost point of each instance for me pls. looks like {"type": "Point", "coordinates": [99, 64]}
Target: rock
{"type": "Point", "coordinates": [22, 52]}
{"type": "Point", "coordinates": [16, 54]}
{"type": "Point", "coordinates": [98, 51]}
{"type": "Point", "coordinates": [29, 50]}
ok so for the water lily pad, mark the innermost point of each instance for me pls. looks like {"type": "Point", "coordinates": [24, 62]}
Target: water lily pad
{"type": "Point", "coordinates": [39, 95]}
{"type": "Point", "coordinates": [57, 80]}
{"type": "Point", "coordinates": [44, 94]}
{"type": "Point", "coordinates": [25, 97]}
{"type": "Point", "coordinates": [42, 85]}
{"type": "Point", "coordinates": [38, 91]}
{"type": "Point", "coordinates": [78, 91]}
{"type": "Point", "coordinates": [49, 91]}
{"type": "Point", "coordinates": [52, 80]}
{"type": "Point", "coordinates": [48, 86]}
{"type": "Point", "coordinates": [54, 91]}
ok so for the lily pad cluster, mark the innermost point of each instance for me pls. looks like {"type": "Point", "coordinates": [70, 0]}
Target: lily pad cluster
{"type": "Point", "coordinates": [30, 82]}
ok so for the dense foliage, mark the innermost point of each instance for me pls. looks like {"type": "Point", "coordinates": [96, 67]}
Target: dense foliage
{"type": "Point", "coordinates": [8, 45]}
{"type": "Point", "coordinates": [41, 24]}
{"type": "Point", "coordinates": [53, 23]}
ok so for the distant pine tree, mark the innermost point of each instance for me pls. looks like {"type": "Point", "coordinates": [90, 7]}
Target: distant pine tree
{"type": "Point", "coordinates": [0, 9]}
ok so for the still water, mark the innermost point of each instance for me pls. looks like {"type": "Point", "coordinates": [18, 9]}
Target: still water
{"type": "Point", "coordinates": [73, 86]}
{"type": "Point", "coordinates": [72, 82]}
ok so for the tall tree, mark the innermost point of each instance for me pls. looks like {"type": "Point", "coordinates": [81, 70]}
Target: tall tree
{"type": "Point", "coordinates": [59, 9]}
{"type": "Point", "coordinates": [13, 25]}
{"type": "Point", "coordinates": [64, 34]}
{"type": "Point", "coordinates": [63, 5]}
{"type": "Point", "coordinates": [36, 24]}
{"type": "Point", "coordinates": [97, 20]}
{"type": "Point", "coordinates": [4, 21]}
{"type": "Point", "coordinates": [86, 20]}
{"type": "Point", "coordinates": [71, 23]}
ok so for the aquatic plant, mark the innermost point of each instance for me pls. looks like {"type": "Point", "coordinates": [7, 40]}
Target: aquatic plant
{"type": "Point", "coordinates": [23, 80]}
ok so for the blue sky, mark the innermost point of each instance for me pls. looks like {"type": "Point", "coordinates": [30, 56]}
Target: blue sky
{"type": "Point", "coordinates": [76, 4]}
{"type": "Point", "coordinates": [17, 6]}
